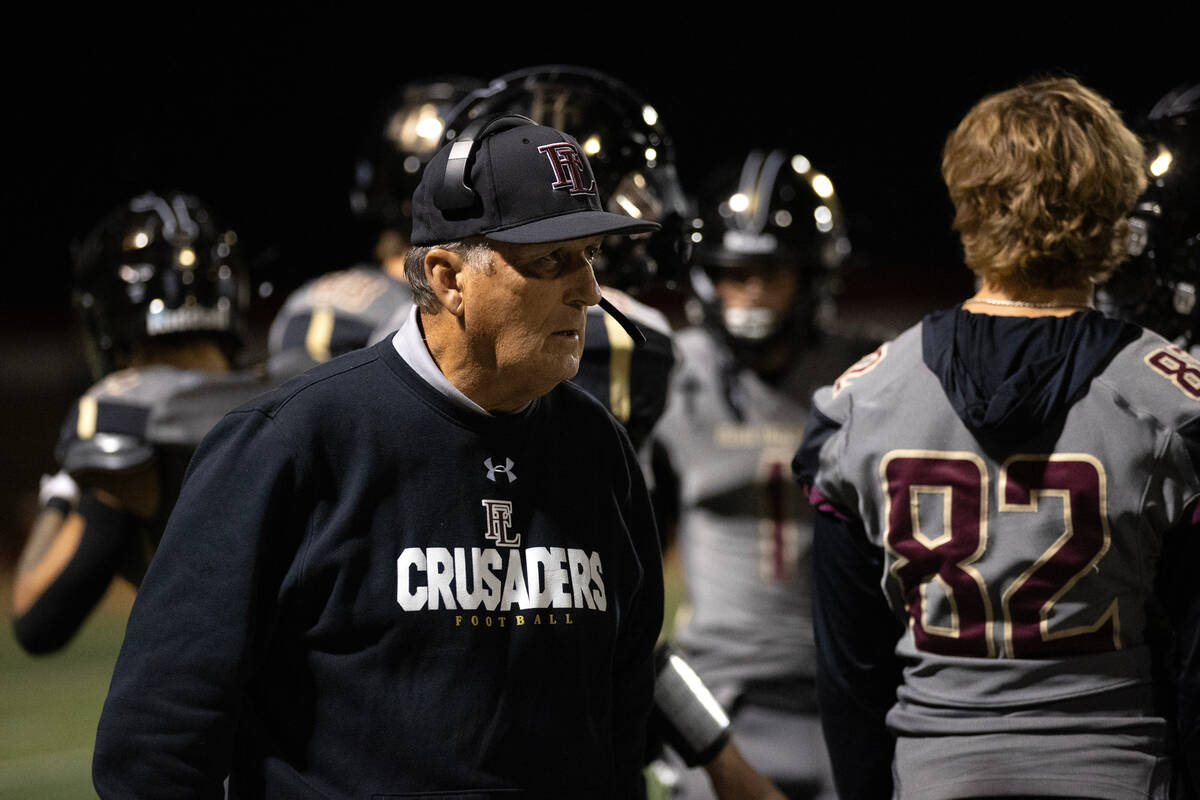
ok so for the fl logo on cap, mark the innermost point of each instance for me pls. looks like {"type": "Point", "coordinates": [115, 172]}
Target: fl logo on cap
{"type": "Point", "coordinates": [567, 163]}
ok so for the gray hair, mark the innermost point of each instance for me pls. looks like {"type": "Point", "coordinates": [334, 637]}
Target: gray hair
{"type": "Point", "coordinates": [475, 251]}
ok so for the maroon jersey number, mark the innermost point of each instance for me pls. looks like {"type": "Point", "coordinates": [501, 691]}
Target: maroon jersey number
{"type": "Point", "coordinates": [1078, 482]}
{"type": "Point", "coordinates": [937, 518]}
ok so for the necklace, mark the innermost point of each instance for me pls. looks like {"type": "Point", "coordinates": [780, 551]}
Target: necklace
{"type": "Point", "coordinates": [1022, 303]}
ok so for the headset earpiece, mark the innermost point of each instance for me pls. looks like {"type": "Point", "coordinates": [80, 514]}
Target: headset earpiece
{"type": "Point", "coordinates": [455, 193]}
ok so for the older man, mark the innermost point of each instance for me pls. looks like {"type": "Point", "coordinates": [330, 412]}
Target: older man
{"type": "Point", "coordinates": [425, 567]}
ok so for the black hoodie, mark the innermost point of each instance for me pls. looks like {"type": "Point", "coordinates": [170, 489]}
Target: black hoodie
{"type": "Point", "coordinates": [1008, 375]}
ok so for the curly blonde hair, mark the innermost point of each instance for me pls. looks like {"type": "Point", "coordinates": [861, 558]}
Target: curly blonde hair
{"type": "Point", "coordinates": [1042, 178]}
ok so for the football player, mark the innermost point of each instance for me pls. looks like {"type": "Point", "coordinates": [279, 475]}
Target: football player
{"type": "Point", "coordinates": [162, 292]}
{"type": "Point", "coordinates": [1157, 287]}
{"type": "Point", "coordinates": [1009, 493]}
{"type": "Point", "coordinates": [769, 235]}
{"type": "Point", "coordinates": [339, 311]}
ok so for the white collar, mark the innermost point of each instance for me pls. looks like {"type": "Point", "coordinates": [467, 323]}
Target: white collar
{"type": "Point", "coordinates": [410, 345]}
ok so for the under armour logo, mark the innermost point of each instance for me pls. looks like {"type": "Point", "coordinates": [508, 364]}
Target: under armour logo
{"type": "Point", "coordinates": [505, 468]}
{"type": "Point", "coordinates": [569, 168]}
{"type": "Point", "coordinates": [499, 520]}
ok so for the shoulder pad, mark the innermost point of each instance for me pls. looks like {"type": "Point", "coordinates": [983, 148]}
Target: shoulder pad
{"type": "Point", "coordinates": [695, 344]}
{"type": "Point", "coordinates": [646, 317]}
{"type": "Point", "coordinates": [118, 424]}
{"type": "Point", "coordinates": [336, 313]}
{"type": "Point", "coordinates": [186, 414]}
{"type": "Point", "coordinates": [873, 372]}
{"type": "Point", "coordinates": [105, 452]}
{"type": "Point", "coordinates": [106, 428]}
{"type": "Point", "coordinates": [391, 324]}
{"type": "Point", "coordinates": [1158, 377]}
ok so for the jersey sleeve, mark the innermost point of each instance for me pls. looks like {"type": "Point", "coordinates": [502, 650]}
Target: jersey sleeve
{"type": "Point", "coordinates": [204, 610]}
{"type": "Point", "coordinates": [857, 669]}
{"type": "Point", "coordinates": [331, 315]}
{"type": "Point", "coordinates": [61, 606]}
{"type": "Point", "coordinates": [630, 381]}
{"type": "Point", "coordinates": [104, 434]}
{"type": "Point", "coordinates": [855, 630]}
{"type": "Point", "coordinates": [815, 465]}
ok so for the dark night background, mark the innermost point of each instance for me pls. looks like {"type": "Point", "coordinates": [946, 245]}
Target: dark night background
{"type": "Point", "coordinates": [262, 114]}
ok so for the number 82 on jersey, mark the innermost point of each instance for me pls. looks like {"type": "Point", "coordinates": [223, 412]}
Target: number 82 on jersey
{"type": "Point", "coordinates": [1048, 535]}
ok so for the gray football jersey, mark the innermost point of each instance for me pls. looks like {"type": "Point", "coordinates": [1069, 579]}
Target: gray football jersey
{"type": "Point", "coordinates": [150, 417]}
{"type": "Point", "coordinates": [744, 530]}
{"type": "Point", "coordinates": [1023, 571]}
{"type": "Point", "coordinates": [334, 314]}
{"type": "Point", "coordinates": [123, 418]}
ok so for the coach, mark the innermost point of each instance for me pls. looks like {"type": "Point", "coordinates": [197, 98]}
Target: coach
{"type": "Point", "coordinates": [425, 568]}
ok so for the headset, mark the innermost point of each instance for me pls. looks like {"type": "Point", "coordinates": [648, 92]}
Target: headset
{"type": "Point", "coordinates": [455, 194]}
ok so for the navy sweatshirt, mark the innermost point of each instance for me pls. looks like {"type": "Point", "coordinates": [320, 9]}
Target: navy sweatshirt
{"type": "Point", "coordinates": [365, 590]}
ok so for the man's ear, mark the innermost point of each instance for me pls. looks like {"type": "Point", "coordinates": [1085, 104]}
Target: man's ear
{"type": "Point", "coordinates": [442, 268]}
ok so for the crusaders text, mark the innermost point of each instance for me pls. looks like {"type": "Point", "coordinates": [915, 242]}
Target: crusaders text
{"type": "Point", "coordinates": [432, 578]}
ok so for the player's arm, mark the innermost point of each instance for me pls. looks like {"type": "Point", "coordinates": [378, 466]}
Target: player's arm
{"type": "Point", "coordinates": [857, 669]}
{"type": "Point", "coordinates": [855, 630]}
{"type": "Point", "coordinates": [89, 525]}
{"type": "Point", "coordinates": [198, 625]}
{"type": "Point", "coordinates": [688, 718]}
{"type": "Point", "coordinates": [69, 560]}
{"type": "Point", "coordinates": [734, 779]}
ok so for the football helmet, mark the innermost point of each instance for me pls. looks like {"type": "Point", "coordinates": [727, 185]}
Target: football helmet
{"type": "Point", "coordinates": [1157, 287]}
{"type": "Point", "coordinates": [630, 152]}
{"type": "Point", "coordinates": [159, 265]}
{"type": "Point", "coordinates": [403, 138]}
{"type": "Point", "coordinates": [768, 213]}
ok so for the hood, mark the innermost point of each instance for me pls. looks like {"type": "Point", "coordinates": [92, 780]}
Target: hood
{"type": "Point", "coordinates": [1009, 375]}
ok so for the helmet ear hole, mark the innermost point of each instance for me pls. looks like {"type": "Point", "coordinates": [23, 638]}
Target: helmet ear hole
{"type": "Point", "coordinates": [630, 153]}
{"type": "Point", "coordinates": [158, 267]}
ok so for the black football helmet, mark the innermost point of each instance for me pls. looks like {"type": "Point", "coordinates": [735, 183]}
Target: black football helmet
{"type": "Point", "coordinates": [1157, 288]}
{"type": "Point", "coordinates": [768, 212]}
{"type": "Point", "coordinates": [630, 152]}
{"type": "Point", "coordinates": [404, 136]}
{"type": "Point", "coordinates": [160, 265]}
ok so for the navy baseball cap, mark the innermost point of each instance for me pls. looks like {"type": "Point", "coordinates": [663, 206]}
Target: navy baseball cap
{"type": "Point", "coordinates": [524, 183]}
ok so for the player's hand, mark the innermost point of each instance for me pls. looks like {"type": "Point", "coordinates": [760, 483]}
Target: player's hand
{"type": "Point", "coordinates": [734, 779]}
{"type": "Point", "coordinates": [60, 486]}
